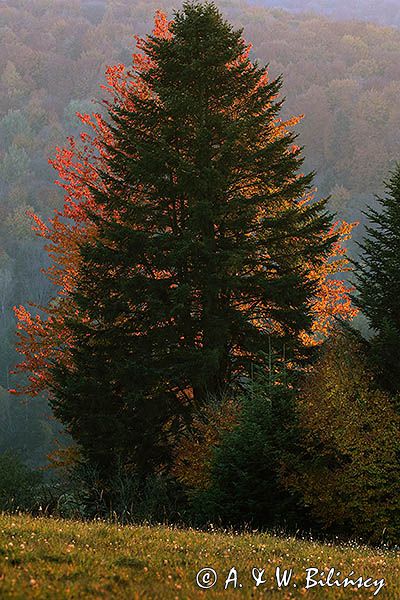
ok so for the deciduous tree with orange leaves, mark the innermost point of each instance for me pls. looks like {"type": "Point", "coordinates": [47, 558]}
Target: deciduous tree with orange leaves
{"type": "Point", "coordinates": [189, 245]}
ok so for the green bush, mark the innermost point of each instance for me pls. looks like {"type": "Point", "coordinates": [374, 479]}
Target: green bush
{"type": "Point", "coordinates": [20, 488]}
{"type": "Point", "coordinates": [249, 463]}
{"type": "Point", "coordinates": [124, 496]}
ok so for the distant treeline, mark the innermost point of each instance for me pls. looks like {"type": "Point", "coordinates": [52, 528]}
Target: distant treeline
{"type": "Point", "coordinates": [384, 12]}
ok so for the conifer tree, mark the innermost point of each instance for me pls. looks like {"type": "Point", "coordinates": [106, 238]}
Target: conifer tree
{"type": "Point", "coordinates": [201, 248]}
{"type": "Point", "coordinates": [378, 283]}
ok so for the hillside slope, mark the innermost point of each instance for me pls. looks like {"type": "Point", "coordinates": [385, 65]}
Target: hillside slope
{"type": "Point", "coordinates": [53, 559]}
{"type": "Point", "coordinates": [384, 12]}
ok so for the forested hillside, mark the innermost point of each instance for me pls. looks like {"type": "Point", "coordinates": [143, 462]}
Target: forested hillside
{"type": "Point", "coordinates": [343, 76]}
{"type": "Point", "coordinates": [385, 12]}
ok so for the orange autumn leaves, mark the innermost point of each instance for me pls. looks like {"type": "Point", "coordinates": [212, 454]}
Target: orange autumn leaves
{"type": "Point", "coordinates": [194, 452]}
{"type": "Point", "coordinates": [333, 299]}
{"type": "Point", "coordinates": [45, 338]}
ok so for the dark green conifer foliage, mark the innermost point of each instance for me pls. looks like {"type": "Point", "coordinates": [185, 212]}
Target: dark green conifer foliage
{"type": "Point", "coordinates": [378, 283]}
{"type": "Point", "coordinates": [210, 251]}
{"type": "Point", "coordinates": [248, 467]}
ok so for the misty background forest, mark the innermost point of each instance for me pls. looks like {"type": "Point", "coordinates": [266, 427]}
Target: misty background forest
{"type": "Point", "coordinates": [385, 12]}
{"type": "Point", "coordinates": [343, 75]}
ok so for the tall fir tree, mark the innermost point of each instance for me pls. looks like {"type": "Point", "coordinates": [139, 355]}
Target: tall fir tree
{"type": "Point", "coordinates": [378, 283]}
{"type": "Point", "coordinates": [203, 249]}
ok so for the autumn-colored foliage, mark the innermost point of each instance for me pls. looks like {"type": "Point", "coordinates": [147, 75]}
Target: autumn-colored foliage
{"type": "Point", "coordinates": [77, 166]}
{"type": "Point", "coordinates": [349, 473]}
{"type": "Point", "coordinates": [332, 301]}
{"type": "Point", "coordinates": [194, 451]}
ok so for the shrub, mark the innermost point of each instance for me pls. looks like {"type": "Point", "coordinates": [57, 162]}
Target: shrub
{"type": "Point", "coordinates": [248, 465]}
{"type": "Point", "coordinates": [20, 488]}
{"type": "Point", "coordinates": [194, 451]}
{"type": "Point", "coordinates": [125, 497]}
{"type": "Point", "coordinates": [349, 473]}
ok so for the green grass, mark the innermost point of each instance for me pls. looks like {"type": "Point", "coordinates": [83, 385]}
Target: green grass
{"type": "Point", "coordinates": [56, 559]}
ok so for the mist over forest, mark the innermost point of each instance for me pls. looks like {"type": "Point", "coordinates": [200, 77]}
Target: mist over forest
{"type": "Point", "coordinates": [343, 76]}
{"type": "Point", "coordinates": [384, 12]}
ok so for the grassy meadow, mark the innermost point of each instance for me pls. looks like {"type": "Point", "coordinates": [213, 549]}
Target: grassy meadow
{"type": "Point", "coordinates": [56, 559]}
